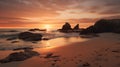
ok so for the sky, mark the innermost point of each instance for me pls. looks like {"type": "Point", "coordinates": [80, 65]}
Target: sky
{"type": "Point", "coordinates": [21, 13]}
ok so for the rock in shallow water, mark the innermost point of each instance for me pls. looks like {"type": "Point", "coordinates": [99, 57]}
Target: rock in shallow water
{"type": "Point", "coordinates": [37, 29]}
{"type": "Point", "coordinates": [19, 56]}
{"type": "Point", "coordinates": [28, 36]}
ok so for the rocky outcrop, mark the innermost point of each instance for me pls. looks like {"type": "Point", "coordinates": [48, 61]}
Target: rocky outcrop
{"type": "Point", "coordinates": [28, 36]}
{"type": "Point", "coordinates": [66, 27]}
{"type": "Point", "coordinates": [76, 27]}
{"type": "Point", "coordinates": [103, 26]}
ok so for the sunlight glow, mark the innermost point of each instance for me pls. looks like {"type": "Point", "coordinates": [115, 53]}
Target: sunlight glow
{"type": "Point", "coordinates": [48, 27]}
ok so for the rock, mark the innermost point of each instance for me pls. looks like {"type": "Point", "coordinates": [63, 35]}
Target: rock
{"type": "Point", "coordinates": [89, 36]}
{"type": "Point", "coordinates": [103, 26]}
{"type": "Point", "coordinates": [76, 27]}
{"type": "Point", "coordinates": [116, 51]}
{"type": "Point", "coordinates": [86, 65]}
{"type": "Point", "coordinates": [24, 48]}
{"type": "Point", "coordinates": [14, 41]}
{"type": "Point", "coordinates": [19, 56]}
{"type": "Point", "coordinates": [36, 29]}
{"type": "Point", "coordinates": [117, 30]}
{"type": "Point", "coordinates": [35, 42]}
{"type": "Point", "coordinates": [12, 38]}
{"type": "Point", "coordinates": [46, 39]}
{"type": "Point", "coordinates": [66, 27]}
{"type": "Point", "coordinates": [13, 31]}
{"type": "Point", "coordinates": [28, 36]}
{"type": "Point", "coordinates": [49, 55]}
{"type": "Point", "coordinates": [88, 30]}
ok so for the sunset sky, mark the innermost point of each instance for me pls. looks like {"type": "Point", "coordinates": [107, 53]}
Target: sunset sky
{"type": "Point", "coordinates": [21, 13]}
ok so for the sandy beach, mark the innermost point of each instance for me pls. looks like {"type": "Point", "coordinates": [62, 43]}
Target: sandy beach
{"type": "Point", "coordinates": [102, 51]}
{"type": "Point", "coordinates": [59, 33]}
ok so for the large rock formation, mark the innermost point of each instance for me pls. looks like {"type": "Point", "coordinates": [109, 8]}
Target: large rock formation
{"type": "Point", "coordinates": [66, 27]}
{"type": "Point", "coordinates": [102, 26]}
{"type": "Point", "coordinates": [28, 36]}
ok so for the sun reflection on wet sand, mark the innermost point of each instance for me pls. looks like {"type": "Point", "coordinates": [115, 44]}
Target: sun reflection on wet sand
{"type": "Point", "coordinates": [59, 42]}
{"type": "Point", "coordinates": [49, 46]}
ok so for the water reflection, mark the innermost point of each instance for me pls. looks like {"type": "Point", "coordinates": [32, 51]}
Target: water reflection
{"type": "Point", "coordinates": [56, 42]}
{"type": "Point", "coordinates": [61, 42]}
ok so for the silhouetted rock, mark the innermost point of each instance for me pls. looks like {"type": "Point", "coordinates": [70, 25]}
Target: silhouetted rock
{"type": "Point", "coordinates": [14, 41]}
{"type": "Point", "coordinates": [36, 29]}
{"type": "Point", "coordinates": [46, 39]}
{"type": "Point", "coordinates": [88, 30]}
{"type": "Point", "coordinates": [12, 38]}
{"type": "Point", "coordinates": [86, 65]}
{"type": "Point", "coordinates": [24, 48]}
{"type": "Point", "coordinates": [89, 36]}
{"type": "Point", "coordinates": [66, 27]}
{"type": "Point", "coordinates": [76, 27]}
{"type": "Point", "coordinates": [103, 26]}
{"type": "Point", "coordinates": [19, 56]}
{"type": "Point", "coordinates": [28, 36]}
{"type": "Point", "coordinates": [13, 31]}
{"type": "Point", "coordinates": [49, 55]}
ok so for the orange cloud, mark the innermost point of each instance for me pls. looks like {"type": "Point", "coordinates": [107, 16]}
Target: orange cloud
{"type": "Point", "coordinates": [21, 12]}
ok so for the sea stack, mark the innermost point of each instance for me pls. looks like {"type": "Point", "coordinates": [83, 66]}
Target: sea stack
{"type": "Point", "coordinates": [76, 27]}
{"type": "Point", "coordinates": [28, 36]}
{"type": "Point", "coordinates": [66, 27]}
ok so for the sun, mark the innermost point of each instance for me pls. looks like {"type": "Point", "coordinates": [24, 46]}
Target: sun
{"type": "Point", "coordinates": [48, 27]}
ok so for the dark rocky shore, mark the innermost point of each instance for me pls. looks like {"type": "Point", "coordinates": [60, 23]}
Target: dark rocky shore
{"type": "Point", "coordinates": [103, 26]}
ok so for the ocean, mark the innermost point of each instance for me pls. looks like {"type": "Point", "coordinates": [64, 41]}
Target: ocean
{"type": "Point", "coordinates": [7, 41]}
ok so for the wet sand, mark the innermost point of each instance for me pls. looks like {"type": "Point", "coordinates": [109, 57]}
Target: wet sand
{"type": "Point", "coordinates": [103, 51]}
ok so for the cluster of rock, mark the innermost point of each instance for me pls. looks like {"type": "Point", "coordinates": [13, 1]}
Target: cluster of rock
{"type": "Point", "coordinates": [103, 26]}
{"type": "Point", "coordinates": [66, 28]}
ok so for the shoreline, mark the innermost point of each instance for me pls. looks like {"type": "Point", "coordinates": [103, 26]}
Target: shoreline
{"type": "Point", "coordinates": [101, 51]}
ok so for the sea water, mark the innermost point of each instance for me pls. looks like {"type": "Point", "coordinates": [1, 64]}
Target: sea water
{"type": "Point", "coordinates": [55, 39]}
